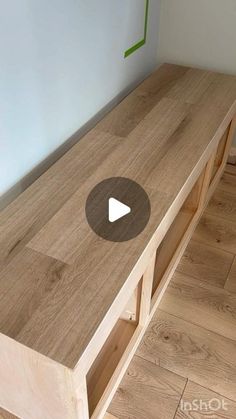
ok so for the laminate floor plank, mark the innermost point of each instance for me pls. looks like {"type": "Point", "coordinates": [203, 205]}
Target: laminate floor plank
{"type": "Point", "coordinates": [25, 282]}
{"type": "Point", "coordinates": [200, 403]}
{"type": "Point", "coordinates": [201, 304]}
{"type": "Point", "coordinates": [192, 352]}
{"type": "Point", "coordinates": [147, 391]}
{"type": "Point", "coordinates": [230, 284]}
{"type": "Point", "coordinates": [63, 243]}
{"type": "Point", "coordinates": [192, 85]}
{"type": "Point", "coordinates": [231, 169]}
{"type": "Point", "coordinates": [228, 183]}
{"type": "Point", "coordinates": [217, 232]}
{"type": "Point", "coordinates": [206, 263]}
{"type": "Point", "coordinates": [223, 204]}
{"type": "Point", "coordinates": [134, 108]}
{"type": "Point", "coordinates": [25, 216]}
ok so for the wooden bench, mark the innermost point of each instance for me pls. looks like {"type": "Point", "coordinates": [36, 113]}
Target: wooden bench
{"type": "Point", "coordinates": [74, 307]}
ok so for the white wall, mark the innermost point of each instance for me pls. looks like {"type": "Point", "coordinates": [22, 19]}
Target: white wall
{"type": "Point", "coordinates": [61, 62]}
{"type": "Point", "coordinates": [200, 33]}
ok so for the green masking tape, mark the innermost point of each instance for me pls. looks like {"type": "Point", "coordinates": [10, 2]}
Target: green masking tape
{"type": "Point", "coordinates": [143, 41]}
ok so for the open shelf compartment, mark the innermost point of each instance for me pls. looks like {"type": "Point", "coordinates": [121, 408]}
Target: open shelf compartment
{"type": "Point", "coordinates": [113, 350]}
{"type": "Point", "coordinates": [169, 247]}
{"type": "Point", "coordinates": [220, 152]}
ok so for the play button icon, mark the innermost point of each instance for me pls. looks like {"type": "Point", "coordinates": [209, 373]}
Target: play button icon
{"type": "Point", "coordinates": [118, 209]}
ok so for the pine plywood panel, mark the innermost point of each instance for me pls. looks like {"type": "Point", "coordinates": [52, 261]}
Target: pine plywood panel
{"type": "Point", "coordinates": [217, 232]}
{"type": "Point", "coordinates": [192, 352]}
{"type": "Point", "coordinates": [206, 263]}
{"type": "Point", "coordinates": [35, 386]}
{"type": "Point", "coordinates": [209, 307]}
{"type": "Point", "coordinates": [230, 284]}
{"type": "Point", "coordinates": [147, 391]}
{"type": "Point", "coordinates": [169, 245]}
{"type": "Point", "coordinates": [213, 404]}
{"type": "Point", "coordinates": [107, 361]}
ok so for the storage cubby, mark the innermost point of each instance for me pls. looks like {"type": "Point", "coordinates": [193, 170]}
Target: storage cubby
{"type": "Point", "coordinates": [113, 350]}
{"type": "Point", "coordinates": [220, 154]}
{"type": "Point", "coordinates": [107, 361]}
{"type": "Point", "coordinates": [176, 232]}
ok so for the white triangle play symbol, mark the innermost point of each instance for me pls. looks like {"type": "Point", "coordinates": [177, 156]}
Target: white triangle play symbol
{"type": "Point", "coordinates": [117, 210]}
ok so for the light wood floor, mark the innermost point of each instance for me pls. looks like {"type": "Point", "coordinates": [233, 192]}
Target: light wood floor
{"type": "Point", "coordinates": [189, 350]}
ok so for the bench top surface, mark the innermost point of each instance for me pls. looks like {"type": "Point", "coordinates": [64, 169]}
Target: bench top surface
{"type": "Point", "coordinates": [57, 278]}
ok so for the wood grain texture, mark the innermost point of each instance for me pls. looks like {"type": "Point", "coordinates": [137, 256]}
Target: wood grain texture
{"type": "Point", "coordinates": [100, 373]}
{"type": "Point", "coordinates": [216, 232]}
{"type": "Point", "coordinates": [162, 136]}
{"type": "Point", "coordinates": [147, 391]}
{"type": "Point", "coordinates": [223, 204]}
{"type": "Point", "coordinates": [133, 109]}
{"type": "Point", "coordinates": [109, 416]}
{"type": "Point", "coordinates": [6, 415]}
{"type": "Point", "coordinates": [201, 292]}
{"type": "Point", "coordinates": [209, 307]}
{"type": "Point", "coordinates": [38, 274]}
{"type": "Point", "coordinates": [228, 182]}
{"type": "Point", "coordinates": [22, 219]}
{"type": "Point", "coordinates": [63, 243]}
{"type": "Point", "coordinates": [204, 404]}
{"type": "Point", "coordinates": [192, 352]}
{"type": "Point", "coordinates": [206, 263]}
{"type": "Point", "coordinates": [35, 386]}
{"type": "Point", "coordinates": [230, 284]}
{"type": "Point", "coordinates": [230, 169]}
{"type": "Point", "coordinates": [192, 85]}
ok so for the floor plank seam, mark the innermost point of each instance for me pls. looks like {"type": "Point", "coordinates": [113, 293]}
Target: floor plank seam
{"type": "Point", "coordinates": [193, 239]}
{"type": "Point", "coordinates": [214, 247]}
{"type": "Point", "coordinates": [214, 391]}
{"type": "Point", "coordinates": [218, 287]}
{"type": "Point", "coordinates": [159, 366]}
{"type": "Point", "coordinates": [219, 216]}
{"type": "Point", "coordinates": [232, 264]}
{"type": "Point", "coordinates": [177, 408]}
{"type": "Point", "coordinates": [197, 325]}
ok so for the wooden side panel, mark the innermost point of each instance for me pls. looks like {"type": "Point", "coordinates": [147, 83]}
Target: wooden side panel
{"type": "Point", "coordinates": [34, 387]}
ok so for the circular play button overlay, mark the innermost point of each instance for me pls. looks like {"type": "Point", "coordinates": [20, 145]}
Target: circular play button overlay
{"type": "Point", "coordinates": [118, 209]}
